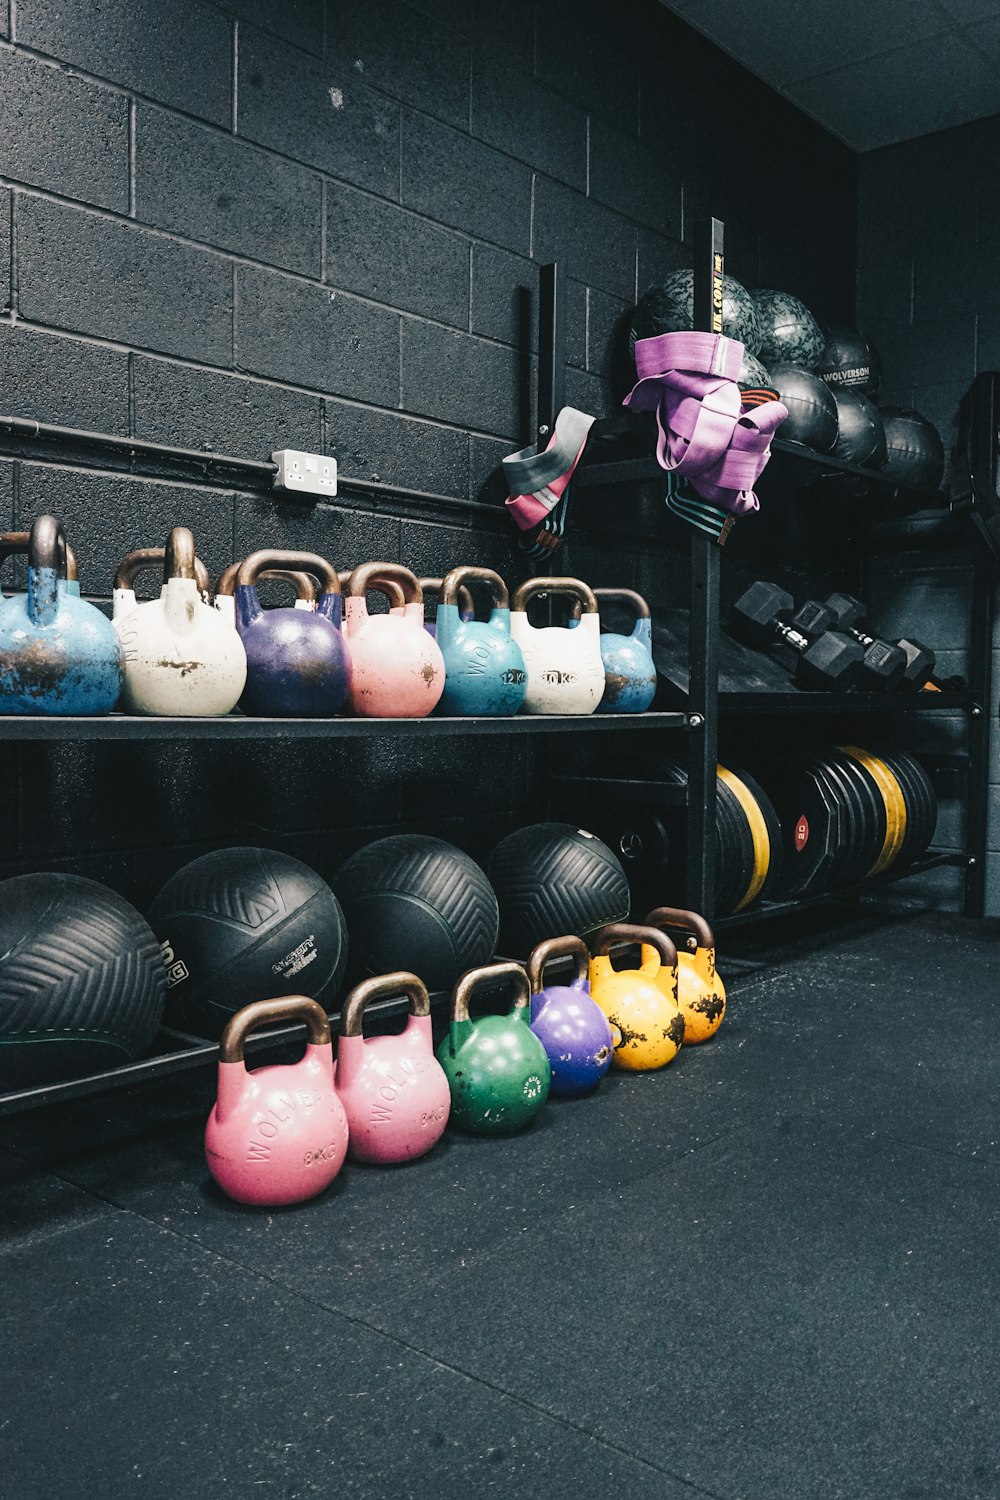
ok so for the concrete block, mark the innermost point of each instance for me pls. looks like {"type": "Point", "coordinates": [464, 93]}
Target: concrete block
{"type": "Point", "coordinates": [404, 55]}
{"type": "Point", "coordinates": [522, 116]}
{"type": "Point", "coordinates": [658, 256]}
{"type": "Point", "coordinates": [460, 380]}
{"type": "Point", "coordinates": [586, 52]}
{"type": "Point", "coordinates": [345, 535]}
{"type": "Point", "coordinates": [590, 242]}
{"type": "Point", "coordinates": [486, 478]}
{"type": "Point", "coordinates": [62, 380]}
{"type": "Point", "coordinates": [460, 182]}
{"type": "Point", "coordinates": [637, 178]}
{"type": "Point", "coordinates": [608, 320]}
{"type": "Point", "coordinates": [505, 297]}
{"type": "Point", "coordinates": [296, 21]}
{"type": "Point", "coordinates": [221, 413]}
{"type": "Point", "coordinates": [387, 446]}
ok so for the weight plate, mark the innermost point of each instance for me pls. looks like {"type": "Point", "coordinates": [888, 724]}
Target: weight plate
{"type": "Point", "coordinates": [736, 854]}
{"type": "Point", "coordinates": [849, 814]}
{"type": "Point", "coordinates": [919, 789]}
{"type": "Point", "coordinates": [852, 865]}
{"type": "Point", "coordinates": [870, 846]}
{"type": "Point", "coordinates": [773, 826]}
{"type": "Point", "coordinates": [810, 824]}
{"type": "Point", "coordinates": [759, 836]}
{"type": "Point", "coordinates": [895, 806]}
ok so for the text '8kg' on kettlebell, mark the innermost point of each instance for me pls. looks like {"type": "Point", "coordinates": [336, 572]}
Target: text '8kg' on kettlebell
{"type": "Point", "coordinates": [15, 543]}
{"type": "Point", "coordinates": [298, 664]}
{"type": "Point", "coordinates": [646, 1017]}
{"type": "Point", "coordinates": [398, 668]}
{"type": "Point", "coordinates": [701, 993]}
{"type": "Point", "coordinates": [564, 665]}
{"type": "Point", "coordinates": [629, 672]}
{"type": "Point", "coordinates": [496, 1067]}
{"type": "Point", "coordinates": [575, 1033]}
{"type": "Point", "coordinates": [484, 668]}
{"type": "Point", "coordinates": [58, 654]}
{"type": "Point", "coordinates": [277, 1134]}
{"type": "Point", "coordinates": [393, 1089]}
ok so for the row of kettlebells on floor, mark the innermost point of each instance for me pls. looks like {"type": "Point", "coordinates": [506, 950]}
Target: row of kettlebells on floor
{"type": "Point", "coordinates": [179, 655]}
{"type": "Point", "coordinates": [281, 1134]}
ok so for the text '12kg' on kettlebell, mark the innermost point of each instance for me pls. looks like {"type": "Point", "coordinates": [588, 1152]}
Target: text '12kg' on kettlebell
{"type": "Point", "coordinates": [180, 656]}
{"type": "Point", "coordinates": [484, 668]}
{"type": "Point", "coordinates": [646, 1017]}
{"type": "Point", "coordinates": [497, 1069]}
{"type": "Point", "coordinates": [575, 1033]}
{"type": "Point", "coordinates": [58, 654]}
{"type": "Point", "coordinates": [564, 665]}
{"type": "Point", "coordinates": [701, 993]}
{"type": "Point", "coordinates": [393, 1089]}
{"type": "Point", "coordinates": [398, 670]}
{"type": "Point", "coordinates": [629, 672]}
{"type": "Point", "coordinates": [277, 1134]}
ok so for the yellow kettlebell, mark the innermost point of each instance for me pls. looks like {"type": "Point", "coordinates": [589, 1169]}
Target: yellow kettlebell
{"type": "Point", "coordinates": [646, 1021]}
{"type": "Point", "coordinates": [701, 994]}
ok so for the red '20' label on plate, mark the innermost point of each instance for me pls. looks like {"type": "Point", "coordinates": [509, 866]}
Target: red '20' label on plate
{"type": "Point", "coordinates": [801, 834]}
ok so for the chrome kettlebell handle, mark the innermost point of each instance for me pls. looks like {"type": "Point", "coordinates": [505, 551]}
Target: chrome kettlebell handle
{"type": "Point", "coordinates": [473, 978]}
{"type": "Point", "coordinates": [304, 584]}
{"type": "Point", "coordinates": [624, 596]}
{"type": "Point", "coordinates": [576, 589]}
{"type": "Point", "coordinates": [452, 586]}
{"type": "Point", "coordinates": [261, 1012]}
{"type": "Point", "coordinates": [142, 558]}
{"type": "Point", "coordinates": [617, 933]}
{"type": "Point", "coordinates": [684, 921]}
{"type": "Point", "coordinates": [47, 545]}
{"type": "Point", "coordinates": [250, 569]}
{"type": "Point", "coordinates": [388, 587]}
{"type": "Point", "coordinates": [559, 947]}
{"type": "Point", "coordinates": [15, 544]}
{"type": "Point", "coordinates": [466, 604]}
{"type": "Point", "coordinates": [382, 987]}
{"type": "Point", "coordinates": [372, 575]}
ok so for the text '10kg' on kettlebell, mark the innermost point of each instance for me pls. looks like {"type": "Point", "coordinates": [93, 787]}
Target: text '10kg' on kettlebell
{"type": "Point", "coordinates": [398, 670]}
{"type": "Point", "coordinates": [393, 1089]}
{"type": "Point", "coordinates": [484, 668]}
{"type": "Point", "coordinates": [647, 1020]}
{"type": "Point", "coordinates": [564, 665]}
{"type": "Point", "coordinates": [575, 1033]}
{"type": "Point", "coordinates": [701, 993]}
{"type": "Point", "coordinates": [58, 654]}
{"type": "Point", "coordinates": [15, 544]}
{"type": "Point", "coordinates": [497, 1069]}
{"type": "Point", "coordinates": [277, 1134]}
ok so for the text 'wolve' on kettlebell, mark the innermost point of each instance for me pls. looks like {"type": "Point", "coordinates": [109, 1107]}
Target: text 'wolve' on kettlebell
{"type": "Point", "coordinates": [276, 1134]}
{"type": "Point", "coordinates": [497, 1069]}
{"type": "Point", "coordinates": [15, 544]}
{"type": "Point", "coordinates": [564, 665]}
{"type": "Point", "coordinates": [701, 993]}
{"type": "Point", "coordinates": [393, 1088]}
{"type": "Point", "coordinates": [643, 1012]}
{"type": "Point", "coordinates": [398, 670]}
{"type": "Point", "coordinates": [575, 1033]}
{"type": "Point", "coordinates": [483, 664]}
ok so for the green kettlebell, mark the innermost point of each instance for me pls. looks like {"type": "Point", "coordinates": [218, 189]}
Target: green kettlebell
{"type": "Point", "coordinates": [497, 1069]}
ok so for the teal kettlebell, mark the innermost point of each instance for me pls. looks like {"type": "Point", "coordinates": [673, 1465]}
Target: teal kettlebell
{"type": "Point", "coordinates": [629, 670]}
{"type": "Point", "coordinates": [466, 608]}
{"type": "Point", "coordinates": [497, 1069]}
{"type": "Point", "coordinates": [484, 668]}
{"type": "Point", "coordinates": [13, 543]}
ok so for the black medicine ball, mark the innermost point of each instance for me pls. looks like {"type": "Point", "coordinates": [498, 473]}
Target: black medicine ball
{"type": "Point", "coordinates": [552, 879]}
{"type": "Point", "coordinates": [914, 447]}
{"type": "Point", "coordinates": [812, 410]}
{"type": "Point", "coordinates": [860, 434]}
{"type": "Point", "coordinates": [668, 307]}
{"type": "Point", "coordinates": [417, 903]}
{"type": "Point", "coordinates": [82, 980]}
{"type": "Point", "coordinates": [752, 375]}
{"type": "Point", "coordinates": [850, 360]}
{"type": "Point", "coordinates": [241, 925]}
{"type": "Point", "coordinates": [789, 333]}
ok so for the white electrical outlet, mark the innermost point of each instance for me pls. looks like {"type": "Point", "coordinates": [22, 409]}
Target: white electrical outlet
{"type": "Point", "coordinates": [306, 473]}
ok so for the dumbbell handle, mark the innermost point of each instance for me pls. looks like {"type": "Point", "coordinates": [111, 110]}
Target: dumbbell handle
{"type": "Point", "coordinates": [790, 637]}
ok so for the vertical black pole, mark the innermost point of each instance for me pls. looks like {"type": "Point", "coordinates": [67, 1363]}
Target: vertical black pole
{"type": "Point", "coordinates": [551, 348]}
{"type": "Point", "coordinates": [980, 685]}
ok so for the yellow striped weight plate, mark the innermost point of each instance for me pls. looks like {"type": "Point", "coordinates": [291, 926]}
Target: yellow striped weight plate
{"type": "Point", "coordinates": [758, 834]}
{"type": "Point", "coordinates": [895, 806]}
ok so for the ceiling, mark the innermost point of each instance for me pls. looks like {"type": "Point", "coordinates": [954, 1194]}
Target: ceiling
{"type": "Point", "coordinates": [871, 71]}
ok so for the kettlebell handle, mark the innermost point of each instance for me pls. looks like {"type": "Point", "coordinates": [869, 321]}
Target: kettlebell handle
{"type": "Point", "coordinates": [629, 597]}
{"type": "Point", "coordinates": [154, 557]}
{"type": "Point", "coordinates": [452, 586]}
{"type": "Point", "coordinates": [392, 590]}
{"type": "Point", "coordinates": [628, 932]}
{"type": "Point", "coordinates": [685, 921]}
{"type": "Point", "coordinates": [304, 584]}
{"type": "Point", "coordinates": [577, 590]}
{"type": "Point", "coordinates": [372, 575]}
{"type": "Point", "coordinates": [559, 947]}
{"type": "Point", "coordinates": [466, 605]}
{"type": "Point", "coordinates": [285, 1008]}
{"type": "Point", "coordinates": [473, 978]}
{"type": "Point", "coordinates": [257, 563]}
{"type": "Point", "coordinates": [15, 543]}
{"type": "Point", "coordinates": [383, 987]}
{"type": "Point", "coordinates": [47, 545]}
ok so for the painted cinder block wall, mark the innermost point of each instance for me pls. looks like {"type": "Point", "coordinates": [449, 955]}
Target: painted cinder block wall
{"type": "Point", "coordinates": [248, 225]}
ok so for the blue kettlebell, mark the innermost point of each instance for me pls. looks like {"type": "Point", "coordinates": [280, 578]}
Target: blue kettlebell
{"type": "Point", "coordinates": [58, 654]}
{"type": "Point", "coordinates": [629, 672]}
{"type": "Point", "coordinates": [574, 1031]}
{"type": "Point", "coordinates": [15, 542]}
{"type": "Point", "coordinates": [466, 608]}
{"type": "Point", "coordinates": [298, 663]}
{"type": "Point", "coordinates": [484, 668]}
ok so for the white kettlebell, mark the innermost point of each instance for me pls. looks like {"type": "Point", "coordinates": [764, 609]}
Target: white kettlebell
{"type": "Point", "coordinates": [180, 656]}
{"type": "Point", "coordinates": [565, 668]}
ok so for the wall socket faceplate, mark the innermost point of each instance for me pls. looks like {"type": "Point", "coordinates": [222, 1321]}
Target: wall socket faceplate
{"type": "Point", "coordinates": [305, 473]}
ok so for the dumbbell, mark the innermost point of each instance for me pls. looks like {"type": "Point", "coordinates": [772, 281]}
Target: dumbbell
{"type": "Point", "coordinates": [847, 613]}
{"type": "Point", "coordinates": [759, 618]}
{"type": "Point", "coordinates": [884, 666]}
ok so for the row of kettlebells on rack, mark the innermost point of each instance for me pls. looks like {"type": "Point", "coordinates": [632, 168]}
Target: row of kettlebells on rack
{"type": "Point", "coordinates": [180, 655]}
{"type": "Point", "coordinates": [281, 1134]}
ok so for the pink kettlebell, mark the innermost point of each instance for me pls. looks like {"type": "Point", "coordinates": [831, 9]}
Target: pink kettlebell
{"type": "Point", "coordinates": [393, 1088]}
{"type": "Point", "coordinates": [397, 669]}
{"type": "Point", "coordinates": [278, 1134]}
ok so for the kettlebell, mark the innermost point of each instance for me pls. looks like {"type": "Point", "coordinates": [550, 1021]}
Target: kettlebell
{"type": "Point", "coordinates": [701, 993]}
{"type": "Point", "coordinates": [123, 599]}
{"type": "Point", "coordinates": [298, 664]}
{"type": "Point", "coordinates": [496, 1067]}
{"type": "Point", "coordinates": [180, 657]}
{"type": "Point", "coordinates": [277, 1134]}
{"type": "Point", "coordinates": [14, 543]}
{"type": "Point", "coordinates": [306, 587]}
{"type": "Point", "coordinates": [575, 1033]}
{"type": "Point", "coordinates": [629, 672]}
{"type": "Point", "coordinates": [484, 668]}
{"type": "Point", "coordinates": [466, 608]}
{"type": "Point", "coordinates": [398, 671]}
{"type": "Point", "coordinates": [646, 1017]}
{"type": "Point", "coordinates": [564, 666]}
{"type": "Point", "coordinates": [58, 654]}
{"type": "Point", "coordinates": [393, 1088]}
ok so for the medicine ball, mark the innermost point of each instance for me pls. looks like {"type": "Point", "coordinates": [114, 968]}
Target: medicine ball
{"type": "Point", "coordinates": [788, 331]}
{"type": "Point", "coordinates": [246, 924]}
{"type": "Point", "coordinates": [860, 434]}
{"type": "Point", "coordinates": [915, 452]}
{"type": "Point", "coordinates": [668, 307]}
{"type": "Point", "coordinates": [552, 879]}
{"type": "Point", "coordinates": [849, 360]}
{"type": "Point", "coordinates": [417, 903]}
{"type": "Point", "coordinates": [812, 410]}
{"type": "Point", "coordinates": [752, 376]}
{"type": "Point", "coordinates": [82, 980]}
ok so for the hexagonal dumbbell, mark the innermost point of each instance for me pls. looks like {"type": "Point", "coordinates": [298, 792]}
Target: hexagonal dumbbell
{"type": "Point", "coordinates": [884, 666]}
{"type": "Point", "coordinates": [847, 615]}
{"type": "Point", "coordinates": [759, 618]}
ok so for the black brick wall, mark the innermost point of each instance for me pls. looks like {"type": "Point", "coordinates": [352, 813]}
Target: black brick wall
{"type": "Point", "coordinates": [237, 226]}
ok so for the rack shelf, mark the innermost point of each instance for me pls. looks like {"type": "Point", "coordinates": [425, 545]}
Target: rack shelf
{"type": "Point", "coordinates": [846, 704]}
{"type": "Point", "coordinates": [766, 910]}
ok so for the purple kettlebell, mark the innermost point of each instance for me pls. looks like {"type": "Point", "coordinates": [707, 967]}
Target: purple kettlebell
{"type": "Point", "coordinates": [574, 1031]}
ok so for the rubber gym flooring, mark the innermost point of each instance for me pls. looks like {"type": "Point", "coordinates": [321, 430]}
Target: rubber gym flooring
{"type": "Point", "coordinates": [769, 1271]}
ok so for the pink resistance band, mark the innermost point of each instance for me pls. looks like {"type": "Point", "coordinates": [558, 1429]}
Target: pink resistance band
{"type": "Point", "coordinates": [705, 432]}
{"type": "Point", "coordinates": [537, 480]}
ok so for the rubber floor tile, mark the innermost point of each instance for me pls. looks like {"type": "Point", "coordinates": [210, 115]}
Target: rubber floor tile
{"type": "Point", "coordinates": [36, 1205]}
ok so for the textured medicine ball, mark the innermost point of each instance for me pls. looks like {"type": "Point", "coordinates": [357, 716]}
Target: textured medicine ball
{"type": "Point", "coordinates": [915, 452]}
{"type": "Point", "coordinates": [849, 360]}
{"type": "Point", "coordinates": [417, 903]}
{"type": "Point", "coordinates": [241, 925]}
{"type": "Point", "coordinates": [752, 376]}
{"type": "Point", "coordinates": [812, 409]}
{"type": "Point", "coordinates": [552, 879]}
{"type": "Point", "coordinates": [668, 307]}
{"type": "Point", "coordinates": [860, 434]}
{"type": "Point", "coordinates": [789, 333]}
{"type": "Point", "coordinates": [82, 981]}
